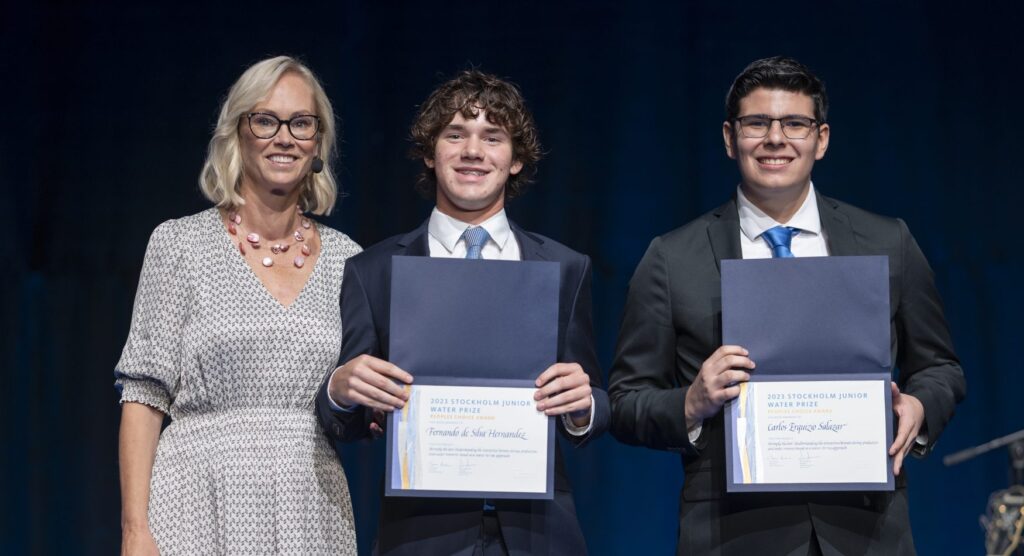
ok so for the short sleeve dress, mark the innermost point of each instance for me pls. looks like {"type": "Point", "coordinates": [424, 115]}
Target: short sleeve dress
{"type": "Point", "coordinates": [244, 467]}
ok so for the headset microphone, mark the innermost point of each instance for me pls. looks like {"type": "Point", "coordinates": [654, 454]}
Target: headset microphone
{"type": "Point", "coordinates": [318, 163]}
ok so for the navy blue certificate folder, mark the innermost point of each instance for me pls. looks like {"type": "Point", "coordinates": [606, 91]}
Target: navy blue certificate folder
{"type": "Point", "coordinates": [457, 322]}
{"type": "Point", "coordinates": [474, 318]}
{"type": "Point", "coordinates": [810, 320]}
{"type": "Point", "coordinates": [810, 314]}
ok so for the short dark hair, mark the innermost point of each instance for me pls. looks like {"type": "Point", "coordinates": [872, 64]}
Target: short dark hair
{"type": "Point", "coordinates": [777, 72]}
{"type": "Point", "coordinates": [468, 93]}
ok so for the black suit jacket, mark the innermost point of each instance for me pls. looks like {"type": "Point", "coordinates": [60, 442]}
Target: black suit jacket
{"type": "Point", "coordinates": [418, 526]}
{"type": "Point", "coordinates": [672, 323]}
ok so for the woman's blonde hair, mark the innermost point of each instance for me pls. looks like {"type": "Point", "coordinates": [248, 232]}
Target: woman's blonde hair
{"type": "Point", "coordinates": [221, 177]}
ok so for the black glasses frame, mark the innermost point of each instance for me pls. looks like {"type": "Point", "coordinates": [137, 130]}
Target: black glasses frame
{"type": "Point", "coordinates": [281, 122]}
{"type": "Point", "coordinates": [771, 122]}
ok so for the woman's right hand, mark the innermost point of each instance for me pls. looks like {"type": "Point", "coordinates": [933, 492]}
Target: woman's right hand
{"type": "Point", "coordinates": [138, 542]}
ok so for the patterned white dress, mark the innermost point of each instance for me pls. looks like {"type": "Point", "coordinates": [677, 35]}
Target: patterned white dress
{"type": "Point", "coordinates": [244, 467]}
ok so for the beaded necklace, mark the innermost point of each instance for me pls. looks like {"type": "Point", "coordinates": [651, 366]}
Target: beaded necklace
{"type": "Point", "coordinates": [253, 239]}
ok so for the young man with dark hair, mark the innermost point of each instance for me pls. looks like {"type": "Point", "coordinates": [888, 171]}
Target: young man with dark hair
{"type": "Point", "coordinates": [479, 145]}
{"type": "Point", "coordinates": [672, 375]}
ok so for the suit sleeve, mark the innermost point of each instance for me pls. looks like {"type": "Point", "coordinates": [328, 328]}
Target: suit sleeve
{"type": "Point", "coordinates": [928, 368]}
{"type": "Point", "coordinates": [579, 348]}
{"type": "Point", "coordinates": [647, 393]}
{"type": "Point", "coordinates": [359, 336]}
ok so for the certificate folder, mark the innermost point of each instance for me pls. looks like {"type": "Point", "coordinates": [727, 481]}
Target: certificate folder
{"type": "Point", "coordinates": [475, 334]}
{"type": "Point", "coordinates": [818, 329]}
{"type": "Point", "coordinates": [474, 318]}
{"type": "Point", "coordinates": [810, 314]}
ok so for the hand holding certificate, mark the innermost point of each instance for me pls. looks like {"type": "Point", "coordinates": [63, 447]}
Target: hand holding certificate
{"type": "Point", "coordinates": [816, 413]}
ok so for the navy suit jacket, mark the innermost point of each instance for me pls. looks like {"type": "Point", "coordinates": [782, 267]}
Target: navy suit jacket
{"type": "Point", "coordinates": [417, 526]}
{"type": "Point", "coordinates": [673, 322]}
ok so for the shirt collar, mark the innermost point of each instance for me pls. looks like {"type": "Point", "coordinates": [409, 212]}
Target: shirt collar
{"type": "Point", "coordinates": [753, 221]}
{"type": "Point", "coordinates": [448, 231]}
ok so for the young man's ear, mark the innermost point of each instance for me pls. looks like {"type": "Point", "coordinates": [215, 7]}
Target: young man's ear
{"type": "Point", "coordinates": [824, 131]}
{"type": "Point", "coordinates": [729, 138]}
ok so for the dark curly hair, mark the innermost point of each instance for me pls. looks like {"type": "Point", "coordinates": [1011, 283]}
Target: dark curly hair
{"type": "Point", "coordinates": [468, 93]}
{"type": "Point", "coordinates": [777, 72]}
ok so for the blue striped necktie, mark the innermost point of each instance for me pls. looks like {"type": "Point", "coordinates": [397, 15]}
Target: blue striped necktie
{"type": "Point", "coordinates": [778, 239]}
{"type": "Point", "coordinates": [475, 240]}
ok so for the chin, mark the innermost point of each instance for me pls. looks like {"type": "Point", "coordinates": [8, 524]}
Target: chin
{"type": "Point", "coordinates": [777, 183]}
{"type": "Point", "coordinates": [472, 206]}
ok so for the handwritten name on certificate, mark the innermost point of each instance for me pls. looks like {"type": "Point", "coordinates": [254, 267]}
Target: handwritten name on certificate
{"type": "Point", "coordinates": [470, 439]}
{"type": "Point", "coordinates": [811, 432]}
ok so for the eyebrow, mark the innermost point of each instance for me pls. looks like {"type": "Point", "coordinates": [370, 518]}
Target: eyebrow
{"type": "Point", "coordinates": [274, 113]}
{"type": "Point", "coordinates": [769, 116]}
{"type": "Point", "coordinates": [491, 130]}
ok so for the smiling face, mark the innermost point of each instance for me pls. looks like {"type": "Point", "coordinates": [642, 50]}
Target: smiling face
{"type": "Point", "coordinates": [472, 162]}
{"type": "Point", "coordinates": [775, 166]}
{"type": "Point", "coordinates": [279, 164]}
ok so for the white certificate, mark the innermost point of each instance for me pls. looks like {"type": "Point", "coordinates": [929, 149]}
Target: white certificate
{"type": "Point", "coordinates": [800, 435]}
{"type": "Point", "coordinates": [470, 441]}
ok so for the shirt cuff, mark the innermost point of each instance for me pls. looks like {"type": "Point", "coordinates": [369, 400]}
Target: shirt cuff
{"type": "Point", "coordinates": [920, 447]}
{"type": "Point", "coordinates": [335, 406]}
{"type": "Point", "coordinates": [694, 433]}
{"type": "Point", "coordinates": [571, 427]}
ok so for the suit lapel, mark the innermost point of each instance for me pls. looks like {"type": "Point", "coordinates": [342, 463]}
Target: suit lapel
{"type": "Point", "coordinates": [531, 247]}
{"type": "Point", "coordinates": [724, 233]}
{"type": "Point", "coordinates": [838, 231]}
{"type": "Point", "coordinates": [415, 242]}
{"type": "Point", "coordinates": [412, 244]}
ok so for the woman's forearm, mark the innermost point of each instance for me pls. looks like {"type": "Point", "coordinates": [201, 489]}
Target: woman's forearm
{"type": "Point", "coordinates": [140, 431]}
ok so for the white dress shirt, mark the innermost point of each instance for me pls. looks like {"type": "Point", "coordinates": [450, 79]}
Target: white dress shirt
{"type": "Point", "coordinates": [444, 240]}
{"type": "Point", "coordinates": [809, 242]}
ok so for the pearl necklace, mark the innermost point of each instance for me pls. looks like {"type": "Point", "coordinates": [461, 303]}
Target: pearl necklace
{"type": "Point", "coordinates": [235, 226]}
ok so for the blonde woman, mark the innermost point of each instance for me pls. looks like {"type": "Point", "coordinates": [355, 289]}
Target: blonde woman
{"type": "Point", "coordinates": [236, 322]}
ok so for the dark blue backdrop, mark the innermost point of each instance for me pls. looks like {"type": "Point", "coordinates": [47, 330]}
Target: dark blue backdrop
{"type": "Point", "coordinates": [108, 108]}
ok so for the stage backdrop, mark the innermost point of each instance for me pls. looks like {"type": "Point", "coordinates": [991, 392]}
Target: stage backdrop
{"type": "Point", "coordinates": [108, 108]}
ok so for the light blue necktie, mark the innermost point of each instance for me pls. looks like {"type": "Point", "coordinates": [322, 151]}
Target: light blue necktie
{"type": "Point", "coordinates": [475, 240]}
{"type": "Point", "coordinates": [778, 239]}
